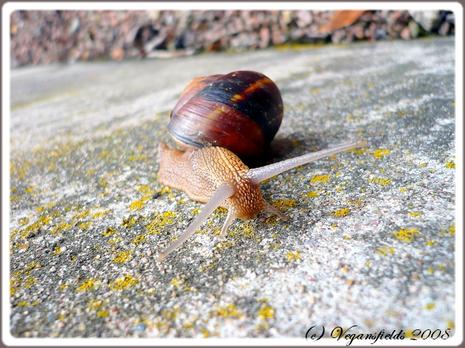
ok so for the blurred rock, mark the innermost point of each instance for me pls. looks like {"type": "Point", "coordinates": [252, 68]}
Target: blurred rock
{"type": "Point", "coordinates": [444, 29]}
{"type": "Point", "coordinates": [341, 19]}
{"type": "Point", "coordinates": [414, 29]}
{"type": "Point", "coordinates": [43, 37]}
{"type": "Point", "coordinates": [427, 19]}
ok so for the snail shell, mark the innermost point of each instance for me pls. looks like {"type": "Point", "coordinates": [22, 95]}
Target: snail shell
{"type": "Point", "coordinates": [240, 111]}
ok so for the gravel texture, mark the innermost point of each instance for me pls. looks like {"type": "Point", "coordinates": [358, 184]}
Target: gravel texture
{"type": "Point", "coordinates": [370, 236]}
{"type": "Point", "coordinates": [43, 37]}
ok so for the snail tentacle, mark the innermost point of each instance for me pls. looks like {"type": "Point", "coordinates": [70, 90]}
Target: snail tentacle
{"type": "Point", "coordinates": [223, 192]}
{"type": "Point", "coordinates": [229, 220]}
{"type": "Point", "coordinates": [275, 211]}
{"type": "Point", "coordinates": [257, 175]}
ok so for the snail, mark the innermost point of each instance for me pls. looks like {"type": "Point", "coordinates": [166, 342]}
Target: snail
{"type": "Point", "coordinates": [218, 120]}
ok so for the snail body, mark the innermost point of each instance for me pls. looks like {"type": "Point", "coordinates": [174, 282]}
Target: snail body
{"type": "Point", "coordinates": [200, 172]}
{"type": "Point", "coordinates": [209, 169]}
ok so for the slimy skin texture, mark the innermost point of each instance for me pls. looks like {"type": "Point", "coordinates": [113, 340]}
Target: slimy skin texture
{"type": "Point", "coordinates": [200, 172]}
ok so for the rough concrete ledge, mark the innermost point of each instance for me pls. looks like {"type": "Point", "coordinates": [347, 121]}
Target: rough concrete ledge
{"type": "Point", "coordinates": [370, 239]}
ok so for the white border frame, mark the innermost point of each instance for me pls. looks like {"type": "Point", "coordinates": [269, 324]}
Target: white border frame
{"type": "Point", "coordinates": [9, 7]}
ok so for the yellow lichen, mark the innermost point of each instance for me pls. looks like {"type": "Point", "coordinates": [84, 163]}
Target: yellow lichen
{"type": "Point", "coordinates": [170, 314]}
{"type": "Point", "coordinates": [82, 214]}
{"type": "Point", "coordinates": [451, 230]}
{"type": "Point", "coordinates": [94, 304]}
{"type": "Point", "coordinates": [23, 246]}
{"type": "Point", "coordinates": [23, 221]}
{"type": "Point", "coordinates": [248, 230]}
{"type": "Point", "coordinates": [145, 189]}
{"type": "Point", "coordinates": [406, 235]}
{"type": "Point", "coordinates": [103, 183]}
{"type": "Point", "coordinates": [40, 209]}
{"type": "Point", "coordinates": [122, 257]}
{"type": "Point", "coordinates": [408, 333]}
{"type": "Point", "coordinates": [84, 225]}
{"type": "Point", "coordinates": [341, 212]}
{"type": "Point", "coordinates": [123, 283]}
{"type": "Point", "coordinates": [159, 221]}
{"type": "Point", "coordinates": [57, 250]}
{"type": "Point", "coordinates": [136, 157]}
{"type": "Point", "coordinates": [312, 194]}
{"type": "Point", "coordinates": [359, 151]}
{"type": "Point", "coordinates": [102, 314]}
{"type": "Point", "coordinates": [109, 232]}
{"type": "Point", "coordinates": [450, 164]}
{"type": "Point", "coordinates": [136, 205]}
{"type": "Point", "coordinates": [23, 304]}
{"type": "Point", "coordinates": [33, 228]}
{"type": "Point", "coordinates": [415, 214]}
{"type": "Point", "coordinates": [430, 243]}
{"type": "Point", "coordinates": [115, 240]}
{"type": "Point", "coordinates": [266, 312]}
{"type": "Point", "coordinates": [14, 285]}
{"type": "Point", "coordinates": [29, 189]}
{"type": "Point", "coordinates": [188, 325]}
{"type": "Point", "coordinates": [385, 250]}
{"type": "Point", "coordinates": [284, 203]}
{"type": "Point", "coordinates": [323, 178]}
{"type": "Point", "coordinates": [176, 282]}
{"type": "Point", "coordinates": [139, 239]}
{"type": "Point", "coordinates": [380, 153]}
{"type": "Point", "coordinates": [104, 154]}
{"type": "Point", "coordinates": [100, 214]}
{"type": "Point", "coordinates": [29, 282]}
{"type": "Point", "coordinates": [165, 190]}
{"type": "Point", "coordinates": [430, 306]}
{"type": "Point", "coordinates": [205, 333]}
{"type": "Point", "coordinates": [59, 228]}
{"type": "Point", "coordinates": [275, 245]}
{"type": "Point", "coordinates": [129, 221]}
{"type": "Point", "coordinates": [293, 256]}
{"type": "Point", "coordinates": [228, 311]}
{"type": "Point", "coordinates": [32, 265]}
{"type": "Point", "coordinates": [223, 245]}
{"type": "Point", "coordinates": [86, 285]}
{"type": "Point", "coordinates": [380, 181]}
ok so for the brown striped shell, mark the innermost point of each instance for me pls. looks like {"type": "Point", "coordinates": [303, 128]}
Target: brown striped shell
{"type": "Point", "coordinates": [240, 111]}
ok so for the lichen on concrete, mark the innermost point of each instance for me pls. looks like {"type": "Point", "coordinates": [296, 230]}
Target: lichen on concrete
{"type": "Point", "coordinates": [370, 235]}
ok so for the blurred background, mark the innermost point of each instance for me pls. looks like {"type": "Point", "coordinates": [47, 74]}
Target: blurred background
{"type": "Point", "coordinates": [44, 37]}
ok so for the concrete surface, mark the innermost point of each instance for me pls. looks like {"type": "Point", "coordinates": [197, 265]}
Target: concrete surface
{"type": "Point", "coordinates": [370, 239]}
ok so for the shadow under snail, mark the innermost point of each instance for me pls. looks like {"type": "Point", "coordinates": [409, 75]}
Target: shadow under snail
{"type": "Point", "coordinates": [218, 120]}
